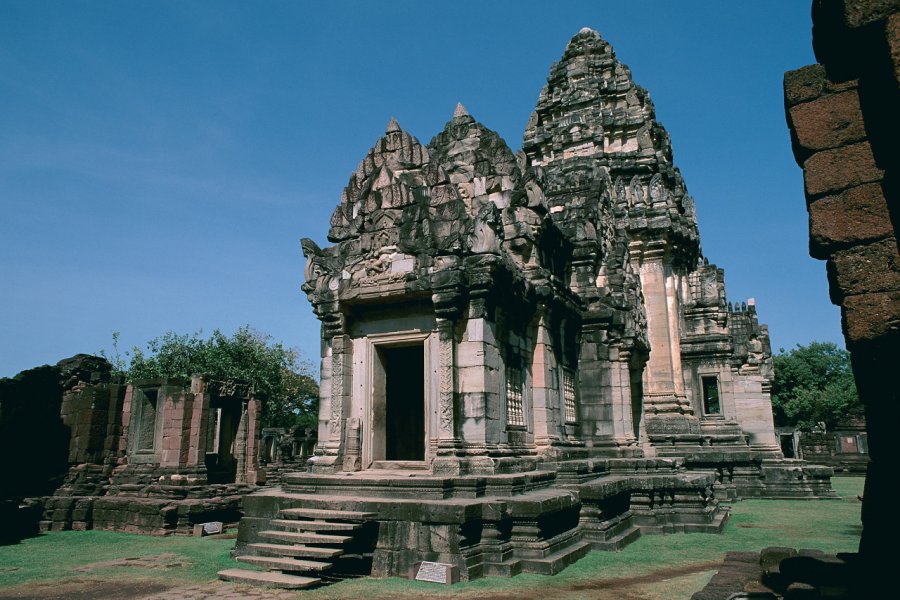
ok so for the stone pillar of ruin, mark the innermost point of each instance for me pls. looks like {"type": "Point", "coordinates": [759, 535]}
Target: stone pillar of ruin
{"type": "Point", "coordinates": [176, 410]}
{"type": "Point", "coordinates": [549, 423]}
{"type": "Point", "coordinates": [479, 372]}
{"type": "Point", "coordinates": [663, 384]}
{"type": "Point", "coordinates": [446, 435]}
{"type": "Point", "coordinates": [199, 428]}
{"type": "Point", "coordinates": [337, 365]}
{"type": "Point", "coordinates": [622, 410]}
{"type": "Point", "coordinates": [240, 446]}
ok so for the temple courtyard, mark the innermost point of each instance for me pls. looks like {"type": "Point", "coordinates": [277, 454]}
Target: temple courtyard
{"type": "Point", "coordinates": [105, 565]}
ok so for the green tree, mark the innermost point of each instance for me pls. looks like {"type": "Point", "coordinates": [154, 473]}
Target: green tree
{"type": "Point", "coordinates": [814, 384]}
{"type": "Point", "coordinates": [284, 384]}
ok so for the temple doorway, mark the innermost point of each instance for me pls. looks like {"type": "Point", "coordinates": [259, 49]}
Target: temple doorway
{"type": "Point", "coordinates": [224, 420]}
{"type": "Point", "coordinates": [399, 404]}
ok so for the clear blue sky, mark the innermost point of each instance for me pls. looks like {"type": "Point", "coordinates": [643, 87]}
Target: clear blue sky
{"type": "Point", "coordinates": [159, 161]}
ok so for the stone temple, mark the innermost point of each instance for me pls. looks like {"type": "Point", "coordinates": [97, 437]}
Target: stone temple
{"type": "Point", "coordinates": [525, 356]}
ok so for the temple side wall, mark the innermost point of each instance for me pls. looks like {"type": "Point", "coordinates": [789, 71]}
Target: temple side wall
{"type": "Point", "coordinates": [753, 410]}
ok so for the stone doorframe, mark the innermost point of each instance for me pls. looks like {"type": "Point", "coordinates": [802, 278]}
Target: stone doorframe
{"type": "Point", "coordinates": [369, 374]}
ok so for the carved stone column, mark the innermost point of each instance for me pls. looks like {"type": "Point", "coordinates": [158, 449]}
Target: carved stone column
{"type": "Point", "coordinates": [446, 384]}
{"type": "Point", "coordinates": [332, 411]}
{"type": "Point", "coordinates": [622, 413]}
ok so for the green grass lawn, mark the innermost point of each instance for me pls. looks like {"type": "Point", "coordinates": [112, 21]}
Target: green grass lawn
{"type": "Point", "coordinates": [666, 566]}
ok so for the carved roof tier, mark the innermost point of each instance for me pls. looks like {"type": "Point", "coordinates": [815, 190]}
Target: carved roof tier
{"type": "Point", "coordinates": [592, 118]}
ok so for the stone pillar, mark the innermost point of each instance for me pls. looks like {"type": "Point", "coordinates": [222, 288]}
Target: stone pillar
{"type": "Point", "coordinates": [125, 422]}
{"type": "Point", "coordinates": [177, 407]}
{"type": "Point", "coordinates": [663, 386]}
{"type": "Point", "coordinates": [620, 385]}
{"type": "Point", "coordinates": [447, 437]}
{"type": "Point", "coordinates": [546, 397]}
{"type": "Point", "coordinates": [254, 473]}
{"type": "Point", "coordinates": [334, 406]}
{"type": "Point", "coordinates": [475, 422]}
{"type": "Point", "coordinates": [674, 285]}
{"type": "Point", "coordinates": [479, 371]}
{"type": "Point", "coordinates": [594, 379]}
{"type": "Point", "coordinates": [199, 423]}
{"type": "Point", "coordinates": [240, 447]}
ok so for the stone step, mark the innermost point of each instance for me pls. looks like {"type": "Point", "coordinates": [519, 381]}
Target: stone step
{"type": "Point", "coordinates": [556, 562]}
{"type": "Point", "coordinates": [284, 564]}
{"type": "Point", "coordinates": [303, 537]}
{"type": "Point", "coordinates": [506, 568]}
{"type": "Point", "coordinates": [298, 550]}
{"type": "Point", "coordinates": [298, 524]}
{"type": "Point", "coordinates": [325, 514]}
{"type": "Point", "coordinates": [615, 542]}
{"type": "Point", "coordinates": [268, 578]}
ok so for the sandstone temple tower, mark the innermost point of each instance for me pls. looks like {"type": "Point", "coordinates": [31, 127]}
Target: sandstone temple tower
{"type": "Point", "coordinates": [486, 313]}
{"type": "Point", "coordinates": [541, 330]}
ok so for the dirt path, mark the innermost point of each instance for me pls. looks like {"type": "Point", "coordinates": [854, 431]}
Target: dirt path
{"type": "Point", "coordinates": [84, 589]}
{"type": "Point", "coordinates": [618, 588]}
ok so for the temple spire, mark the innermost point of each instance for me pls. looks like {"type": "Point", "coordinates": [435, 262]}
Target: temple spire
{"type": "Point", "coordinates": [460, 111]}
{"type": "Point", "coordinates": [392, 126]}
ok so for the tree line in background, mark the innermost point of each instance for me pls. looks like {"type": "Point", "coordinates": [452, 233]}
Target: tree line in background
{"type": "Point", "coordinates": [280, 379]}
{"type": "Point", "coordinates": [814, 385]}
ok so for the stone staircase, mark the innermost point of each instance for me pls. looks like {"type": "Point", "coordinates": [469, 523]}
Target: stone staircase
{"type": "Point", "coordinates": [305, 544]}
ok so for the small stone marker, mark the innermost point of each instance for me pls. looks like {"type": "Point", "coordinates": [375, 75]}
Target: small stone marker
{"type": "Point", "coordinates": [435, 572]}
{"type": "Point", "coordinates": [211, 528]}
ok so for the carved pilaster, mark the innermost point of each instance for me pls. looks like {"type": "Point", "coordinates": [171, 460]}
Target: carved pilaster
{"type": "Point", "coordinates": [622, 409]}
{"type": "Point", "coordinates": [446, 379]}
{"type": "Point", "coordinates": [340, 347]}
{"type": "Point", "coordinates": [336, 363]}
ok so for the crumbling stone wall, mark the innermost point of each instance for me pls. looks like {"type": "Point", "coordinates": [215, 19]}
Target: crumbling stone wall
{"type": "Point", "coordinates": [827, 449]}
{"type": "Point", "coordinates": [31, 430]}
{"type": "Point", "coordinates": [74, 458]}
{"type": "Point", "coordinates": [842, 113]}
{"type": "Point", "coordinates": [43, 426]}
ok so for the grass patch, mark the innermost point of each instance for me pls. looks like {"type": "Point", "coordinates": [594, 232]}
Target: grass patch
{"type": "Point", "coordinates": [66, 554]}
{"type": "Point", "coordinates": [669, 566]}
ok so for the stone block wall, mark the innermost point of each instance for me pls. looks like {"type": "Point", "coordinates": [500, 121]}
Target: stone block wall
{"type": "Point", "coordinates": [843, 117]}
{"type": "Point", "coordinates": [93, 415]}
{"type": "Point", "coordinates": [826, 449]}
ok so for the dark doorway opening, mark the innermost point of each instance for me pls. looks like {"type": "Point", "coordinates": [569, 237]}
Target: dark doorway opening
{"type": "Point", "coordinates": [224, 420]}
{"type": "Point", "coordinates": [404, 370]}
{"type": "Point", "coordinates": [787, 445]}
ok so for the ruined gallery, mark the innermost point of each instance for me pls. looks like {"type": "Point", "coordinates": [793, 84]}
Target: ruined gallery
{"type": "Point", "coordinates": [524, 357]}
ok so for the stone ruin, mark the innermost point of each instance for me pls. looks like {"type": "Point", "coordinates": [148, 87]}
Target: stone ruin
{"type": "Point", "coordinates": [158, 456]}
{"type": "Point", "coordinates": [285, 450]}
{"type": "Point", "coordinates": [525, 357]}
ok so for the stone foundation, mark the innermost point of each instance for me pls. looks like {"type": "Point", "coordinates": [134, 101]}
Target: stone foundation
{"type": "Point", "coordinates": [500, 525]}
{"type": "Point", "coordinates": [156, 516]}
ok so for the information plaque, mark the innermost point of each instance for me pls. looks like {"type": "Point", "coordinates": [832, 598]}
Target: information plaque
{"type": "Point", "coordinates": [211, 528]}
{"type": "Point", "coordinates": [435, 572]}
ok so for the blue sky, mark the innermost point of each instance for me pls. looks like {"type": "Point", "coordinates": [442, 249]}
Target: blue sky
{"type": "Point", "coordinates": [159, 161]}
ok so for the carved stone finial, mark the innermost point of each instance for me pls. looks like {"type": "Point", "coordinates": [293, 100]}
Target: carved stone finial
{"type": "Point", "coordinates": [460, 111]}
{"type": "Point", "coordinates": [392, 126]}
